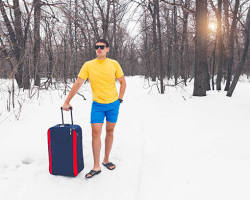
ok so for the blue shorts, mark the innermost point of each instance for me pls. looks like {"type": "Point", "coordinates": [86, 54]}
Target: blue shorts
{"type": "Point", "coordinates": [101, 110]}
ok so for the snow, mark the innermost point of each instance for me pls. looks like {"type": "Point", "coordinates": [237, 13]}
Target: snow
{"type": "Point", "coordinates": [172, 146]}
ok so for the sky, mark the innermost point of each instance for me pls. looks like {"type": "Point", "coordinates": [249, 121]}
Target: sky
{"type": "Point", "coordinates": [132, 18]}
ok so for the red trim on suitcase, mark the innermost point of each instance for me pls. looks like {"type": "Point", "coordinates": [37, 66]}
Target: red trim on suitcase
{"type": "Point", "coordinates": [50, 159]}
{"type": "Point", "coordinates": [75, 153]}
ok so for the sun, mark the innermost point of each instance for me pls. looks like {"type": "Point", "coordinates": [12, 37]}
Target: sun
{"type": "Point", "coordinates": [212, 26]}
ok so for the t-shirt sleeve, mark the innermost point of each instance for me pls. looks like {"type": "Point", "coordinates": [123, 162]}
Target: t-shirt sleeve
{"type": "Point", "coordinates": [84, 74]}
{"type": "Point", "coordinates": [118, 73]}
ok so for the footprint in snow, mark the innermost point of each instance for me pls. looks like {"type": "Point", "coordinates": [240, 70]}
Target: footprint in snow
{"type": "Point", "coordinates": [27, 161]}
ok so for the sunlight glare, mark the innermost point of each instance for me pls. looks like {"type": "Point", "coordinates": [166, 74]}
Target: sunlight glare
{"type": "Point", "coordinates": [212, 26]}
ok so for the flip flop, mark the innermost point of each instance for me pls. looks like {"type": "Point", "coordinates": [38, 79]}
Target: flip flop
{"type": "Point", "coordinates": [109, 165]}
{"type": "Point", "coordinates": [92, 173]}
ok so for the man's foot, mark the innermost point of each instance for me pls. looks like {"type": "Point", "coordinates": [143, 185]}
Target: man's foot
{"type": "Point", "coordinates": [109, 165]}
{"type": "Point", "coordinates": [92, 173]}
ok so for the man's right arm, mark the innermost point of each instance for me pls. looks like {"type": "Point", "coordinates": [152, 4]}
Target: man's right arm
{"type": "Point", "coordinates": [72, 92]}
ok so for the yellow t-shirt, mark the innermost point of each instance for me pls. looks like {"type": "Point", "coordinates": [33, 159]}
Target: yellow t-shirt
{"type": "Point", "coordinates": [102, 75]}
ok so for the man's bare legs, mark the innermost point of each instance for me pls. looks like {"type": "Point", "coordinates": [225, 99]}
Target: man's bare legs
{"type": "Point", "coordinates": [108, 141]}
{"type": "Point", "coordinates": [96, 144]}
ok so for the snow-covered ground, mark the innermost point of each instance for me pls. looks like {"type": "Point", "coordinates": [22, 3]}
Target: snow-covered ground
{"type": "Point", "coordinates": [172, 146]}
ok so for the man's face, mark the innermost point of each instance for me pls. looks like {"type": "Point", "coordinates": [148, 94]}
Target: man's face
{"type": "Point", "coordinates": [101, 49]}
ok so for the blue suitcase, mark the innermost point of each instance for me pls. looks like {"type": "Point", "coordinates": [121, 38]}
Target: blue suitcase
{"type": "Point", "coordinates": [65, 149]}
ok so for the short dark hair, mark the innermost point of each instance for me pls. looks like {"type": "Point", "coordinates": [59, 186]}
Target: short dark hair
{"type": "Point", "coordinates": [103, 41]}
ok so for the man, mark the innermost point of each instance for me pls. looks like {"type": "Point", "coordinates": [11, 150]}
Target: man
{"type": "Point", "coordinates": [102, 73]}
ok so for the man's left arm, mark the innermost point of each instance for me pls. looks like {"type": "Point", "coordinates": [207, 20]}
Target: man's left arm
{"type": "Point", "coordinates": [122, 82]}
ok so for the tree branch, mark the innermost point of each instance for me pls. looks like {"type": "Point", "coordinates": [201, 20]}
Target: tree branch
{"type": "Point", "coordinates": [181, 5]}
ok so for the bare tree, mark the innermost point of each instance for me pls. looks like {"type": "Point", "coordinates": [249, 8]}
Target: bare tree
{"type": "Point", "coordinates": [17, 38]}
{"type": "Point", "coordinates": [104, 16]}
{"type": "Point", "coordinates": [37, 39]}
{"type": "Point", "coordinates": [156, 2]}
{"type": "Point", "coordinates": [231, 45]}
{"type": "Point", "coordinates": [184, 42]}
{"type": "Point", "coordinates": [220, 42]}
{"type": "Point", "coordinates": [201, 48]}
{"type": "Point", "coordinates": [154, 44]}
{"type": "Point", "coordinates": [244, 55]}
{"type": "Point", "coordinates": [175, 44]}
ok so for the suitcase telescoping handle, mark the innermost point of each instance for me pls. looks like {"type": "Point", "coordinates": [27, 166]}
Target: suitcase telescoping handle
{"type": "Point", "coordinates": [70, 113]}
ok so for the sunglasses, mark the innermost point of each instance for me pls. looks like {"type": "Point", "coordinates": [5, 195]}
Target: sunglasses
{"type": "Point", "coordinates": [99, 46]}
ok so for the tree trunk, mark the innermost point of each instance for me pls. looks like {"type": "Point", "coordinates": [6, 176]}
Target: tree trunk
{"type": "Point", "coordinates": [244, 56]}
{"type": "Point", "coordinates": [169, 45]}
{"type": "Point", "coordinates": [213, 64]}
{"type": "Point", "coordinates": [26, 77]}
{"type": "Point", "coordinates": [175, 46]}
{"type": "Point", "coordinates": [16, 50]}
{"type": "Point", "coordinates": [155, 63]}
{"type": "Point", "coordinates": [50, 65]}
{"type": "Point", "coordinates": [220, 47]}
{"type": "Point", "coordinates": [114, 30]}
{"type": "Point", "coordinates": [17, 40]}
{"type": "Point", "coordinates": [231, 45]}
{"type": "Point", "coordinates": [201, 64]}
{"type": "Point", "coordinates": [49, 52]}
{"type": "Point", "coordinates": [75, 70]}
{"type": "Point", "coordinates": [184, 42]}
{"type": "Point", "coordinates": [159, 44]}
{"type": "Point", "coordinates": [36, 49]}
{"type": "Point", "coordinates": [65, 60]}
{"type": "Point", "coordinates": [146, 52]}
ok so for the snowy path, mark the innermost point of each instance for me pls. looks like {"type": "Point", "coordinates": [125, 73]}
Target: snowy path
{"type": "Point", "coordinates": [164, 148]}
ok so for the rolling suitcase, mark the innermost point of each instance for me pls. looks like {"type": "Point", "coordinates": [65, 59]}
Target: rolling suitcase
{"type": "Point", "coordinates": [65, 149]}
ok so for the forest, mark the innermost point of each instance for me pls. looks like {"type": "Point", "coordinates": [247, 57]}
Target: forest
{"type": "Point", "coordinates": [43, 42]}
